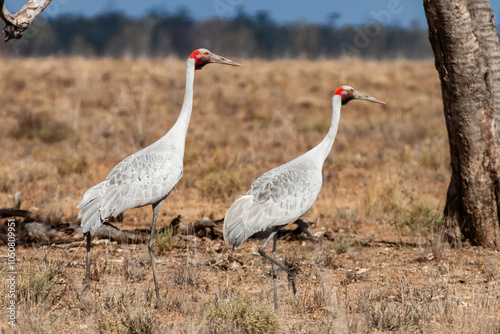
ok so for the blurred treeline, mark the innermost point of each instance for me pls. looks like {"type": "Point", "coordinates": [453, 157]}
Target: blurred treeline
{"type": "Point", "coordinates": [161, 34]}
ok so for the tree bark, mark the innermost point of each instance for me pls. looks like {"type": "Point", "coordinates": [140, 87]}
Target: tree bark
{"type": "Point", "coordinates": [16, 24]}
{"type": "Point", "coordinates": [466, 48]}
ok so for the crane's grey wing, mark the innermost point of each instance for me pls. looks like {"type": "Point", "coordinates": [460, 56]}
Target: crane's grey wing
{"type": "Point", "coordinates": [277, 198]}
{"type": "Point", "coordinates": [138, 180]}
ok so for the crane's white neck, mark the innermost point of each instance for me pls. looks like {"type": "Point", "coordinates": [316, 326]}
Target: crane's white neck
{"type": "Point", "coordinates": [175, 138]}
{"type": "Point", "coordinates": [181, 125]}
{"type": "Point", "coordinates": [321, 151]}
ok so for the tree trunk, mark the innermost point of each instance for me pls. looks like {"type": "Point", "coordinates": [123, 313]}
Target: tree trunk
{"type": "Point", "coordinates": [466, 48]}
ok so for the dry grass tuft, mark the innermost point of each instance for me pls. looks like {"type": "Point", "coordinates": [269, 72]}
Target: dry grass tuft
{"type": "Point", "coordinates": [37, 294]}
{"type": "Point", "coordinates": [186, 276]}
{"type": "Point", "coordinates": [220, 184]}
{"type": "Point", "coordinates": [134, 271]}
{"type": "Point", "coordinates": [404, 308]}
{"type": "Point", "coordinates": [422, 217]}
{"type": "Point", "coordinates": [165, 240]}
{"type": "Point", "coordinates": [327, 256]}
{"type": "Point", "coordinates": [238, 313]}
{"type": "Point", "coordinates": [343, 244]}
{"type": "Point", "coordinates": [218, 179]}
{"type": "Point", "coordinates": [293, 260]}
{"type": "Point", "coordinates": [120, 312]}
{"type": "Point", "coordinates": [37, 284]}
{"type": "Point", "coordinates": [32, 125]}
{"type": "Point", "coordinates": [311, 300]}
{"type": "Point", "coordinates": [72, 164]}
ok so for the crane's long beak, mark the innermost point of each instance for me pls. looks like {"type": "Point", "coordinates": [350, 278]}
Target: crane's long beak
{"type": "Point", "coordinates": [222, 60]}
{"type": "Point", "coordinates": [362, 96]}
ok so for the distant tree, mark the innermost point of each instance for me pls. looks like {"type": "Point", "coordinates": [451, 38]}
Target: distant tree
{"type": "Point", "coordinates": [132, 40]}
{"type": "Point", "coordinates": [467, 56]}
{"type": "Point", "coordinates": [331, 19]}
{"type": "Point", "coordinates": [306, 39]}
{"type": "Point", "coordinates": [94, 33]}
{"type": "Point", "coordinates": [235, 41]}
{"type": "Point", "coordinates": [258, 35]}
{"type": "Point", "coordinates": [267, 34]}
{"type": "Point", "coordinates": [172, 33]}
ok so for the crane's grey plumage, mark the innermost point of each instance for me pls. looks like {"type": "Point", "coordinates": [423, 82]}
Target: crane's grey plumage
{"type": "Point", "coordinates": [146, 177]}
{"type": "Point", "coordinates": [285, 193]}
{"type": "Point", "coordinates": [275, 199]}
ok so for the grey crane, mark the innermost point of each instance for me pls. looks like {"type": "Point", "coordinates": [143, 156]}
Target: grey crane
{"type": "Point", "coordinates": [283, 194]}
{"type": "Point", "coordinates": [148, 176]}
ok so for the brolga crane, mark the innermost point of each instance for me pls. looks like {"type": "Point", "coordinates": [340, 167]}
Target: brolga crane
{"type": "Point", "coordinates": [146, 177]}
{"type": "Point", "coordinates": [283, 194]}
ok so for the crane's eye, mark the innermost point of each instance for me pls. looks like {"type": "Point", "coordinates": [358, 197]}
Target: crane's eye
{"type": "Point", "coordinates": [206, 53]}
{"type": "Point", "coordinates": [350, 90]}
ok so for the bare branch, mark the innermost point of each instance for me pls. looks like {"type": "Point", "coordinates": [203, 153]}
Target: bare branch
{"type": "Point", "coordinates": [16, 24]}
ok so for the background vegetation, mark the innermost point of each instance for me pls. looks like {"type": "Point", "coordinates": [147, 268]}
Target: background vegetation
{"type": "Point", "coordinates": [244, 35]}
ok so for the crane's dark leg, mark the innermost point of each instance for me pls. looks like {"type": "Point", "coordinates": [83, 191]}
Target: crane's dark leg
{"type": "Point", "coordinates": [275, 277]}
{"type": "Point", "coordinates": [87, 271]}
{"type": "Point", "coordinates": [151, 246]}
{"type": "Point", "coordinates": [262, 251]}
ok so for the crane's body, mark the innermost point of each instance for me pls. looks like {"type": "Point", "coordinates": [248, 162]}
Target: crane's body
{"type": "Point", "coordinates": [148, 176]}
{"type": "Point", "coordinates": [277, 198]}
{"type": "Point", "coordinates": [283, 194]}
{"type": "Point", "coordinates": [143, 178]}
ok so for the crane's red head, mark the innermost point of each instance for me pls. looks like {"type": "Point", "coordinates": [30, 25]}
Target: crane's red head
{"type": "Point", "coordinates": [347, 93]}
{"type": "Point", "coordinates": [203, 56]}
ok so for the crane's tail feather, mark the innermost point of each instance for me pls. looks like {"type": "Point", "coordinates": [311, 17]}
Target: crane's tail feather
{"type": "Point", "coordinates": [108, 208]}
{"type": "Point", "coordinates": [90, 213]}
{"type": "Point", "coordinates": [242, 220]}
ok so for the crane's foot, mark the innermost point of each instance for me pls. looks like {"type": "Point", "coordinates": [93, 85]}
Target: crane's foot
{"type": "Point", "coordinates": [291, 281]}
{"type": "Point", "coordinates": [87, 279]}
{"type": "Point", "coordinates": [159, 302]}
{"type": "Point", "coordinates": [86, 286]}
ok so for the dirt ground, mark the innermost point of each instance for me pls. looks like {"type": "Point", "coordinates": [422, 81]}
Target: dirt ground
{"type": "Point", "coordinates": [369, 279]}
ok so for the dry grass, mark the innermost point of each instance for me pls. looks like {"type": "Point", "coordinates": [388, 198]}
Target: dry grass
{"type": "Point", "coordinates": [65, 128]}
{"type": "Point", "coordinates": [67, 122]}
{"type": "Point", "coordinates": [396, 292]}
